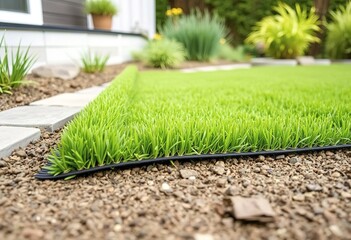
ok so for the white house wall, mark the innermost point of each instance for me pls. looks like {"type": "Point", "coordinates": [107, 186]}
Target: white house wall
{"type": "Point", "coordinates": [52, 47]}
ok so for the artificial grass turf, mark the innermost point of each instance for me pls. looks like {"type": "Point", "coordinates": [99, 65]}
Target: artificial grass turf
{"type": "Point", "coordinates": [160, 114]}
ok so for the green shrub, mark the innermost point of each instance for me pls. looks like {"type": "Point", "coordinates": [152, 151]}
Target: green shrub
{"type": "Point", "coordinates": [100, 7]}
{"type": "Point", "coordinates": [241, 15]}
{"type": "Point", "coordinates": [92, 63]}
{"type": "Point", "coordinates": [287, 34]}
{"type": "Point", "coordinates": [163, 54]}
{"type": "Point", "coordinates": [13, 67]}
{"type": "Point", "coordinates": [227, 52]}
{"type": "Point", "coordinates": [198, 33]}
{"type": "Point", "coordinates": [338, 42]}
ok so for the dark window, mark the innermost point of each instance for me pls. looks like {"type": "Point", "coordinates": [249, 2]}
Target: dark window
{"type": "Point", "coordinates": [14, 5]}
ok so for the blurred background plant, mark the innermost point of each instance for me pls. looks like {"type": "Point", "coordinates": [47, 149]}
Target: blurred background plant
{"type": "Point", "coordinates": [93, 63]}
{"type": "Point", "coordinates": [174, 14]}
{"type": "Point", "coordinates": [199, 33]}
{"type": "Point", "coordinates": [229, 53]}
{"type": "Point", "coordinates": [242, 15]}
{"type": "Point", "coordinates": [161, 53]}
{"type": "Point", "coordinates": [287, 34]}
{"type": "Point", "coordinates": [338, 41]}
{"type": "Point", "coordinates": [161, 8]}
{"type": "Point", "coordinates": [14, 66]}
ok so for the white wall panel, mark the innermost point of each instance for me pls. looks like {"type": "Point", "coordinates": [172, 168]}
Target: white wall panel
{"type": "Point", "coordinates": [135, 16]}
{"type": "Point", "coordinates": [25, 38]}
{"type": "Point", "coordinates": [61, 47]}
{"type": "Point", "coordinates": [98, 40]}
{"type": "Point", "coordinates": [62, 39]}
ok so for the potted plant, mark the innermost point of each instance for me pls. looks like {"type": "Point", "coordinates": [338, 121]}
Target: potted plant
{"type": "Point", "coordinates": [102, 12]}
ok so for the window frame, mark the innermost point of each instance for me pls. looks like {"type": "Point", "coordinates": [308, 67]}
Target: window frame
{"type": "Point", "coordinates": [34, 17]}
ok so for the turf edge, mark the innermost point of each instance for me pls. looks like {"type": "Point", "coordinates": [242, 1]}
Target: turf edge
{"type": "Point", "coordinates": [44, 175]}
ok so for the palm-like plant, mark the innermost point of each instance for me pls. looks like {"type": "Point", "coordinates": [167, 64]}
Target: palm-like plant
{"type": "Point", "coordinates": [287, 34]}
{"type": "Point", "coordinates": [338, 43]}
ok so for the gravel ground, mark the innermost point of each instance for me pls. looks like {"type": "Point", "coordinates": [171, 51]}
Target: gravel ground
{"type": "Point", "coordinates": [310, 193]}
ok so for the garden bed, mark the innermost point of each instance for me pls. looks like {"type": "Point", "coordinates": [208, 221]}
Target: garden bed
{"type": "Point", "coordinates": [41, 88]}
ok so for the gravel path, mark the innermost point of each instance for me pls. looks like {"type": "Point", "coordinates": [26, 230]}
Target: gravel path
{"type": "Point", "coordinates": [310, 194]}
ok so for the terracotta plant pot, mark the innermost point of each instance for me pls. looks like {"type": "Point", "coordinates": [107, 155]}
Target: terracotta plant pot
{"type": "Point", "coordinates": [103, 22]}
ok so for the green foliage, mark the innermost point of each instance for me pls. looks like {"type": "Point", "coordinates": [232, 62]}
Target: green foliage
{"type": "Point", "coordinates": [163, 113]}
{"type": "Point", "coordinates": [227, 52]}
{"type": "Point", "coordinates": [162, 53]}
{"type": "Point", "coordinates": [93, 63]}
{"type": "Point", "coordinates": [13, 67]}
{"type": "Point", "coordinates": [242, 15]}
{"type": "Point", "coordinates": [199, 33]}
{"type": "Point", "coordinates": [100, 7]}
{"type": "Point", "coordinates": [161, 8]}
{"type": "Point", "coordinates": [287, 34]}
{"type": "Point", "coordinates": [338, 42]}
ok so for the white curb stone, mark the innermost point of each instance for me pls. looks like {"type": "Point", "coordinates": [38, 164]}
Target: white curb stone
{"type": "Point", "coordinates": [92, 91]}
{"type": "Point", "coordinates": [273, 62]}
{"type": "Point", "coordinates": [106, 84]}
{"type": "Point", "coordinates": [12, 138]}
{"type": "Point", "coordinates": [48, 117]}
{"type": "Point", "coordinates": [217, 68]}
{"type": "Point", "coordinates": [66, 100]}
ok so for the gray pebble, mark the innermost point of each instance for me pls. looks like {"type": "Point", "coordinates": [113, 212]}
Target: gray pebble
{"type": "Point", "coordinates": [218, 170]}
{"type": "Point", "coordinates": [314, 187]}
{"type": "Point", "coordinates": [294, 160]}
{"type": "Point", "coordinates": [187, 173]}
{"type": "Point", "coordinates": [2, 163]}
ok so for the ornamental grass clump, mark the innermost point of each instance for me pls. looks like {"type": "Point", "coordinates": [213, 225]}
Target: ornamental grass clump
{"type": "Point", "coordinates": [338, 42]}
{"type": "Point", "coordinates": [199, 33]}
{"type": "Point", "coordinates": [287, 34]}
{"type": "Point", "coordinates": [229, 53]}
{"type": "Point", "coordinates": [14, 66]}
{"type": "Point", "coordinates": [93, 63]}
{"type": "Point", "coordinates": [161, 114]}
{"type": "Point", "coordinates": [163, 53]}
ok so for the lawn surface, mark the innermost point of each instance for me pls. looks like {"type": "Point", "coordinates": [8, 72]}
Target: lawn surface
{"type": "Point", "coordinates": [157, 114]}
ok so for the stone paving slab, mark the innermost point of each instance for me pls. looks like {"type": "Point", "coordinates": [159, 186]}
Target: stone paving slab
{"type": "Point", "coordinates": [93, 90]}
{"type": "Point", "coordinates": [12, 138]}
{"type": "Point", "coordinates": [106, 84]}
{"type": "Point", "coordinates": [67, 100]}
{"type": "Point", "coordinates": [322, 62]}
{"type": "Point", "coordinates": [273, 62]}
{"type": "Point", "coordinates": [217, 68]}
{"type": "Point", "coordinates": [48, 117]}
